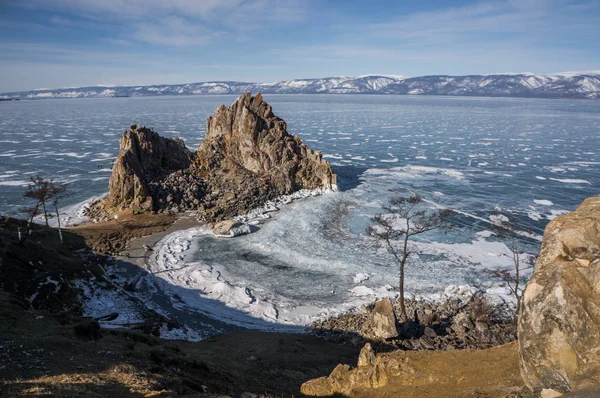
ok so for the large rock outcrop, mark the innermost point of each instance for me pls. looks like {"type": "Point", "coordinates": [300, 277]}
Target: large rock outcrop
{"type": "Point", "coordinates": [248, 136]}
{"type": "Point", "coordinates": [142, 154]}
{"type": "Point", "coordinates": [246, 159]}
{"type": "Point", "coordinates": [559, 321]}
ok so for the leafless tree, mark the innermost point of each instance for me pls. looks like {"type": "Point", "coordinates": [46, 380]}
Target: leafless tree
{"type": "Point", "coordinates": [31, 213]}
{"type": "Point", "coordinates": [507, 230]}
{"type": "Point", "coordinates": [44, 192]}
{"type": "Point", "coordinates": [57, 193]}
{"type": "Point", "coordinates": [39, 190]}
{"type": "Point", "coordinates": [404, 218]}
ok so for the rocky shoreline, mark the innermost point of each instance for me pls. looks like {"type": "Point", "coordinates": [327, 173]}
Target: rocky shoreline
{"type": "Point", "coordinates": [476, 323]}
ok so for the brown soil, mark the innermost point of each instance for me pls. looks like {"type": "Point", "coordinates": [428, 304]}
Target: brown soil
{"type": "Point", "coordinates": [41, 357]}
{"type": "Point", "coordinates": [114, 235]}
{"type": "Point", "coordinates": [489, 373]}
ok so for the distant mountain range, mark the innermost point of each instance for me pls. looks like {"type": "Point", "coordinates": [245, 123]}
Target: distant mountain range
{"type": "Point", "coordinates": [565, 85]}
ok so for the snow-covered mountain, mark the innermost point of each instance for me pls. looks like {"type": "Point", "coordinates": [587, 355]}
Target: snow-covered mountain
{"type": "Point", "coordinates": [566, 85]}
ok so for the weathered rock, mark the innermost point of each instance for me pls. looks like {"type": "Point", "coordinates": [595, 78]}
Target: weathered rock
{"type": "Point", "coordinates": [247, 135]}
{"type": "Point", "coordinates": [383, 320]}
{"type": "Point", "coordinates": [366, 357]}
{"type": "Point", "coordinates": [416, 373]}
{"type": "Point", "coordinates": [142, 152]}
{"type": "Point", "coordinates": [246, 159]}
{"type": "Point", "coordinates": [230, 228]}
{"type": "Point", "coordinates": [559, 321]}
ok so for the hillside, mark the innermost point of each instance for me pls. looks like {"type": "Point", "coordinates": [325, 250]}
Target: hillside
{"type": "Point", "coordinates": [524, 85]}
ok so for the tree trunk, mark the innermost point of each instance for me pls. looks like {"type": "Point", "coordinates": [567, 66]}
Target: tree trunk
{"type": "Point", "coordinates": [401, 286]}
{"type": "Point", "coordinates": [58, 220]}
{"type": "Point", "coordinates": [45, 213]}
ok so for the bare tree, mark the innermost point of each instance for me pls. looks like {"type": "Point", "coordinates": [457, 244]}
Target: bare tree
{"type": "Point", "coordinates": [45, 193]}
{"type": "Point", "coordinates": [405, 218]}
{"type": "Point", "coordinates": [507, 230]}
{"type": "Point", "coordinates": [57, 193]}
{"type": "Point", "coordinates": [31, 213]}
{"type": "Point", "coordinates": [39, 190]}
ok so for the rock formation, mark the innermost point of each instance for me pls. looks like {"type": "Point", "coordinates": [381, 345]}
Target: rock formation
{"type": "Point", "coordinates": [559, 321]}
{"type": "Point", "coordinates": [248, 154]}
{"type": "Point", "coordinates": [246, 159]}
{"type": "Point", "coordinates": [248, 135]}
{"type": "Point", "coordinates": [383, 320]}
{"type": "Point", "coordinates": [491, 372]}
{"type": "Point", "coordinates": [142, 154]}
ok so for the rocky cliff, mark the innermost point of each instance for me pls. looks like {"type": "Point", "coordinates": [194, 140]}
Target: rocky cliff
{"type": "Point", "coordinates": [559, 322]}
{"type": "Point", "coordinates": [246, 159]}
{"type": "Point", "coordinates": [248, 155]}
{"type": "Point", "coordinates": [143, 154]}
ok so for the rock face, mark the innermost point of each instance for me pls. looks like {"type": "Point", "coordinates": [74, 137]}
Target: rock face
{"type": "Point", "coordinates": [246, 159]}
{"type": "Point", "coordinates": [559, 321]}
{"type": "Point", "coordinates": [142, 154]}
{"type": "Point", "coordinates": [247, 135]}
{"type": "Point", "coordinates": [383, 321]}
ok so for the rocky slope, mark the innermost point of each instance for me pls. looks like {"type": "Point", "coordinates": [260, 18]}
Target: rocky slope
{"type": "Point", "coordinates": [246, 159]}
{"type": "Point", "coordinates": [559, 325]}
{"type": "Point", "coordinates": [565, 85]}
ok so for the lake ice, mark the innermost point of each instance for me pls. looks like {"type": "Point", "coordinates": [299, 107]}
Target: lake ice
{"type": "Point", "coordinates": [530, 160]}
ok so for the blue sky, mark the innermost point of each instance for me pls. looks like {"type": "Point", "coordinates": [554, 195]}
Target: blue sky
{"type": "Point", "coordinates": [64, 43]}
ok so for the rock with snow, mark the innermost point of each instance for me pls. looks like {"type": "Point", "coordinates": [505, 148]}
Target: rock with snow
{"type": "Point", "coordinates": [230, 228]}
{"type": "Point", "coordinates": [246, 161]}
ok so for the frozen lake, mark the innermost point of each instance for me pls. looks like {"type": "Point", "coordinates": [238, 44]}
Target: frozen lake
{"type": "Point", "coordinates": [530, 160]}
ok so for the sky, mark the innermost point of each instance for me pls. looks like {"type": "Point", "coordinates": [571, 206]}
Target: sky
{"type": "Point", "coordinates": [71, 43]}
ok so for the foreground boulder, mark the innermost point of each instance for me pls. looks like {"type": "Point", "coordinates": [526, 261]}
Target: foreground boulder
{"type": "Point", "coordinates": [559, 321]}
{"type": "Point", "coordinates": [246, 159]}
{"type": "Point", "coordinates": [383, 321]}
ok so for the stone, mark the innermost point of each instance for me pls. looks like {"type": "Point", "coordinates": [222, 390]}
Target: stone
{"type": "Point", "coordinates": [462, 323]}
{"type": "Point", "coordinates": [559, 318]}
{"type": "Point", "coordinates": [383, 320]}
{"type": "Point", "coordinates": [88, 329]}
{"type": "Point", "coordinates": [429, 332]}
{"type": "Point", "coordinates": [366, 357]}
{"type": "Point", "coordinates": [549, 393]}
{"type": "Point", "coordinates": [230, 228]}
{"type": "Point", "coordinates": [427, 342]}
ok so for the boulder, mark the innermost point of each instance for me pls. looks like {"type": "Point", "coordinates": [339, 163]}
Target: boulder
{"type": "Point", "coordinates": [559, 319]}
{"type": "Point", "coordinates": [230, 228]}
{"type": "Point", "coordinates": [366, 357]}
{"type": "Point", "coordinates": [383, 320]}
